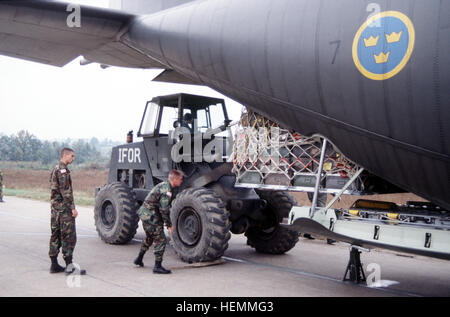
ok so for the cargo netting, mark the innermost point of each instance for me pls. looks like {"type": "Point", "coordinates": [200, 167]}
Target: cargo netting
{"type": "Point", "coordinates": [266, 154]}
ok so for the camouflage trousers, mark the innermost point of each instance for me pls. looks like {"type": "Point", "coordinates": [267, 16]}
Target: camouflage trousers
{"type": "Point", "coordinates": [154, 234]}
{"type": "Point", "coordinates": [64, 234]}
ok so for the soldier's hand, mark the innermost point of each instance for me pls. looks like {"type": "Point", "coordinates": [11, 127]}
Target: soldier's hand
{"type": "Point", "coordinates": [74, 213]}
{"type": "Point", "coordinates": [170, 229]}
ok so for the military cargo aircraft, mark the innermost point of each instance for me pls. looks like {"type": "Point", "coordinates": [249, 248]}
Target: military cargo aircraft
{"type": "Point", "coordinates": [372, 78]}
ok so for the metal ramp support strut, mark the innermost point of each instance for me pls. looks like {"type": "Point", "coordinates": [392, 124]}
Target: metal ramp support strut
{"type": "Point", "coordinates": [355, 268]}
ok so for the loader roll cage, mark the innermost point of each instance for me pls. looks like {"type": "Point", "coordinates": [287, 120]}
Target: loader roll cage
{"type": "Point", "coordinates": [164, 113]}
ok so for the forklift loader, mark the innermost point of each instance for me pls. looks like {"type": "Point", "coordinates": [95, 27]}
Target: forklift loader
{"type": "Point", "coordinates": [207, 207]}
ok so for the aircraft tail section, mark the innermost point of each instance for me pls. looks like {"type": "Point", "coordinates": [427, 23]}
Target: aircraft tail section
{"type": "Point", "coordinates": [145, 6]}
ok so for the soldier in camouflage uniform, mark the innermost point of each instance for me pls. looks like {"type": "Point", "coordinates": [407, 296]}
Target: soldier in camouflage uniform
{"type": "Point", "coordinates": [154, 212]}
{"type": "Point", "coordinates": [1, 187]}
{"type": "Point", "coordinates": [63, 214]}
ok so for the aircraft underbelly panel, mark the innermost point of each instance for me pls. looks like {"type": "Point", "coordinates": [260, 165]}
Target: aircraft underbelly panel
{"type": "Point", "coordinates": [373, 78]}
{"type": "Point", "coordinates": [378, 90]}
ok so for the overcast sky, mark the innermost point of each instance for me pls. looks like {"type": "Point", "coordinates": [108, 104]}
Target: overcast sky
{"type": "Point", "coordinates": [80, 101]}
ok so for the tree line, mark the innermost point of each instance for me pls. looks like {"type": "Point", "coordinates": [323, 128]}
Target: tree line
{"type": "Point", "coordinates": [25, 147]}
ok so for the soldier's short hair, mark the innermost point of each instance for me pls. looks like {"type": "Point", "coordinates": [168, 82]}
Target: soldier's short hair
{"type": "Point", "coordinates": [66, 150]}
{"type": "Point", "coordinates": [175, 174]}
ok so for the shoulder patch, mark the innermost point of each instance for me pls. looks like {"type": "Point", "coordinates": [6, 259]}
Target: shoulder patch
{"type": "Point", "coordinates": [169, 194]}
{"type": "Point", "coordinates": [63, 171]}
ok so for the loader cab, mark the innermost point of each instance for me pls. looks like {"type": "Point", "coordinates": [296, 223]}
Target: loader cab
{"type": "Point", "coordinates": [197, 114]}
{"type": "Point", "coordinates": [163, 115]}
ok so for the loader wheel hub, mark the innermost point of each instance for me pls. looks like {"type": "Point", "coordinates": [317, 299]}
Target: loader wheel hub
{"type": "Point", "coordinates": [189, 227]}
{"type": "Point", "coordinates": [108, 214]}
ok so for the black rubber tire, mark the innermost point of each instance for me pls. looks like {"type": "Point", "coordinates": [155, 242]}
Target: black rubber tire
{"type": "Point", "coordinates": [115, 214]}
{"type": "Point", "coordinates": [275, 239]}
{"type": "Point", "coordinates": [206, 210]}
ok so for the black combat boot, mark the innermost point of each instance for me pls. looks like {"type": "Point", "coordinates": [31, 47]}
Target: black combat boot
{"type": "Point", "coordinates": [55, 267]}
{"type": "Point", "coordinates": [70, 268]}
{"type": "Point", "coordinates": [138, 260]}
{"type": "Point", "coordinates": [159, 269]}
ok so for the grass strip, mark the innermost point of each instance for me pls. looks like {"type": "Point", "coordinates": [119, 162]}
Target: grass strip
{"type": "Point", "coordinates": [81, 198]}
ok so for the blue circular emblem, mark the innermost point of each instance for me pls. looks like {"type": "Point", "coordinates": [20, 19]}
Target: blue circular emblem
{"type": "Point", "coordinates": [383, 45]}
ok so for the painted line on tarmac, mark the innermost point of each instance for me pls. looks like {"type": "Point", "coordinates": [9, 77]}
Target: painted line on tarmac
{"type": "Point", "coordinates": [284, 269]}
{"type": "Point", "coordinates": [321, 277]}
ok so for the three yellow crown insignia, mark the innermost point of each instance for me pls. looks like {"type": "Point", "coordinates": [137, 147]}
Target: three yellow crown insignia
{"type": "Point", "coordinates": [371, 41]}
{"type": "Point", "coordinates": [382, 58]}
{"type": "Point", "coordinates": [394, 37]}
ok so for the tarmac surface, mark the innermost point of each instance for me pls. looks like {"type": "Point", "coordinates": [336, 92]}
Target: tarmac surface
{"type": "Point", "coordinates": [312, 268]}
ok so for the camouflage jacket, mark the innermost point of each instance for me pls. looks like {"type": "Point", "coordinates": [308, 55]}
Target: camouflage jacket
{"type": "Point", "coordinates": [156, 207]}
{"type": "Point", "coordinates": [61, 188]}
